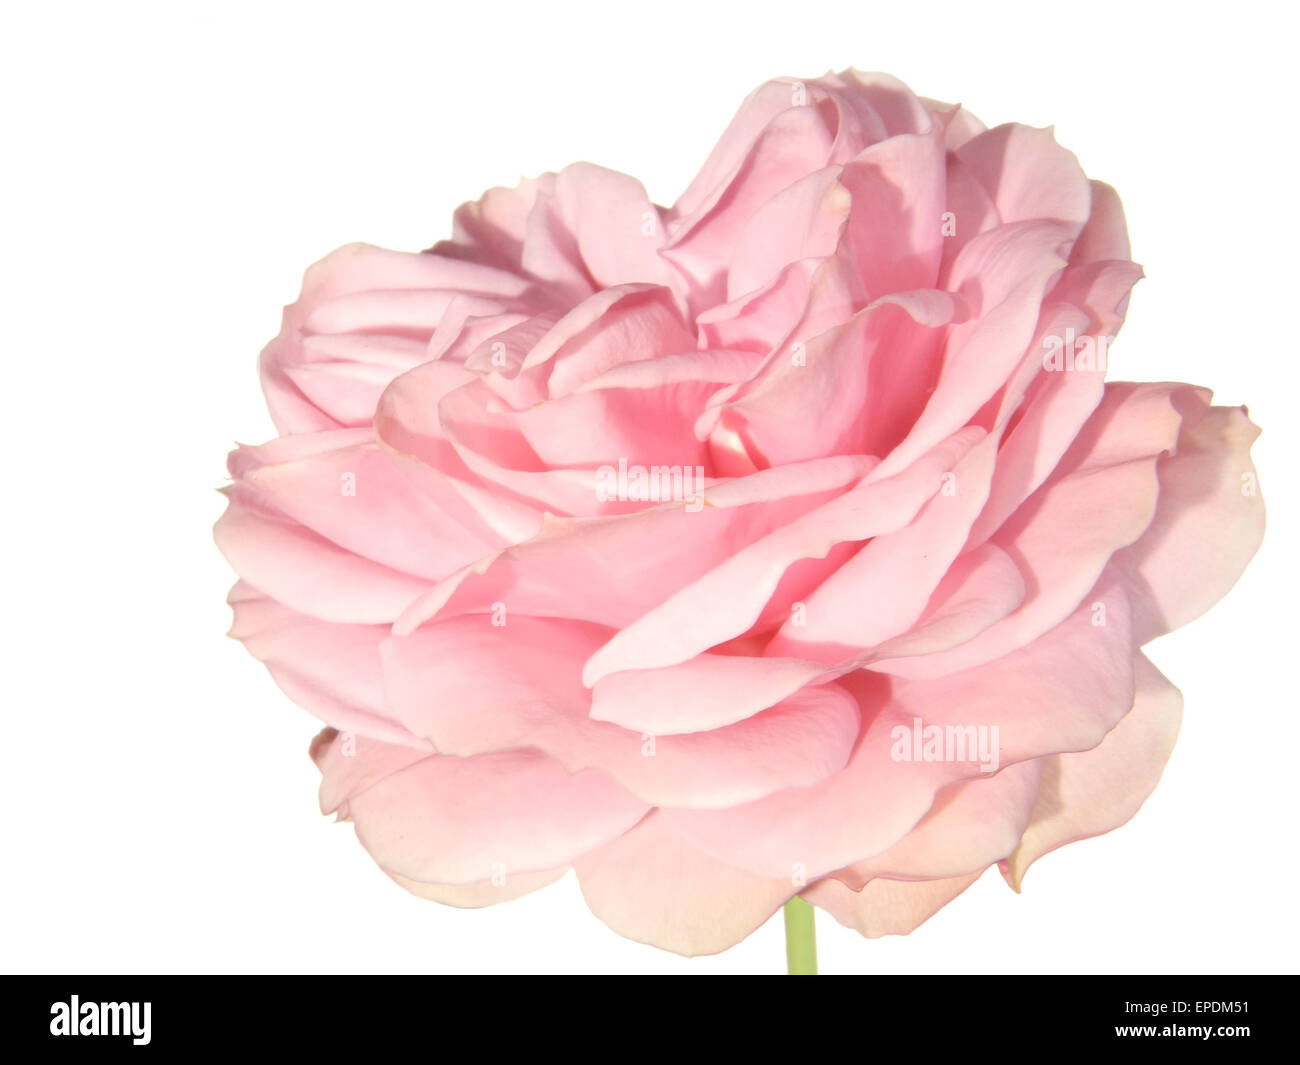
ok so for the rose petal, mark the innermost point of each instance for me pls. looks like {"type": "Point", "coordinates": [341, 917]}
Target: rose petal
{"type": "Point", "coordinates": [653, 887]}
{"type": "Point", "coordinates": [1208, 525]}
{"type": "Point", "coordinates": [886, 907]}
{"type": "Point", "coordinates": [445, 820]}
{"type": "Point", "coordinates": [306, 572]}
{"type": "Point", "coordinates": [330, 670]}
{"type": "Point", "coordinates": [471, 688]}
{"type": "Point", "coordinates": [1090, 792]}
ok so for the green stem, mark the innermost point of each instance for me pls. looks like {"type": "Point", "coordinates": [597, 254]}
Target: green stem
{"type": "Point", "coordinates": [800, 938]}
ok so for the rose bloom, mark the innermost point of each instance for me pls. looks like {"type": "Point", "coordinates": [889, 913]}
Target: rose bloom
{"type": "Point", "coordinates": [787, 540]}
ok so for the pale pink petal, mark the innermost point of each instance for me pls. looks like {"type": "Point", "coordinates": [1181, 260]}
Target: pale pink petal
{"type": "Point", "coordinates": [850, 374]}
{"type": "Point", "coordinates": [793, 144]}
{"type": "Point", "coordinates": [1002, 276]}
{"type": "Point", "coordinates": [895, 222]}
{"type": "Point", "coordinates": [714, 690]}
{"type": "Point", "coordinates": [1208, 524]}
{"type": "Point", "coordinates": [969, 210]}
{"type": "Point", "coordinates": [651, 886]}
{"type": "Point", "coordinates": [959, 124]}
{"type": "Point", "coordinates": [471, 687]}
{"type": "Point", "coordinates": [491, 229]}
{"type": "Point", "coordinates": [970, 827]}
{"type": "Point", "coordinates": [331, 670]}
{"type": "Point", "coordinates": [882, 590]}
{"type": "Point", "coordinates": [673, 543]}
{"type": "Point", "coordinates": [1029, 175]}
{"type": "Point", "coordinates": [981, 588]}
{"type": "Point", "coordinates": [351, 763]}
{"type": "Point", "coordinates": [375, 505]}
{"type": "Point", "coordinates": [388, 303]}
{"type": "Point", "coordinates": [307, 572]}
{"type": "Point", "coordinates": [445, 820]}
{"type": "Point", "coordinates": [505, 888]}
{"type": "Point", "coordinates": [693, 619]}
{"type": "Point", "coordinates": [736, 144]}
{"type": "Point", "coordinates": [1105, 236]}
{"type": "Point", "coordinates": [1111, 468]}
{"type": "Point", "coordinates": [708, 691]}
{"type": "Point", "coordinates": [886, 907]}
{"type": "Point", "coordinates": [1090, 792]}
{"type": "Point", "coordinates": [1064, 691]}
{"type": "Point", "coordinates": [617, 232]}
{"type": "Point", "coordinates": [802, 221]}
{"type": "Point", "coordinates": [876, 100]}
{"type": "Point", "coordinates": [762, 319]}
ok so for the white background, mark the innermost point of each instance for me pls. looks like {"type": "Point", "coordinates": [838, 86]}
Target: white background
{"type": "Point", "coordinates": [168, 172]}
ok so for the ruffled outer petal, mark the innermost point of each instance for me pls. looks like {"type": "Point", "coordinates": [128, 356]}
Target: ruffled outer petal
{"type": "Point", "coordinates": [1207, 527]}
{"type": "Point", "coordinates": [442, 820]}
{"type": "Point", "coordinates": [887, 907]}
{"type": "Point", "coordinates": [654, 887]}
{"type": "Point", "coordinates": [1090, 792]}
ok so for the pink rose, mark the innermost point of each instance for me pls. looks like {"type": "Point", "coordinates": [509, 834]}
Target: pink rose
{"type": "Point", "coordinates": [784, 541]}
